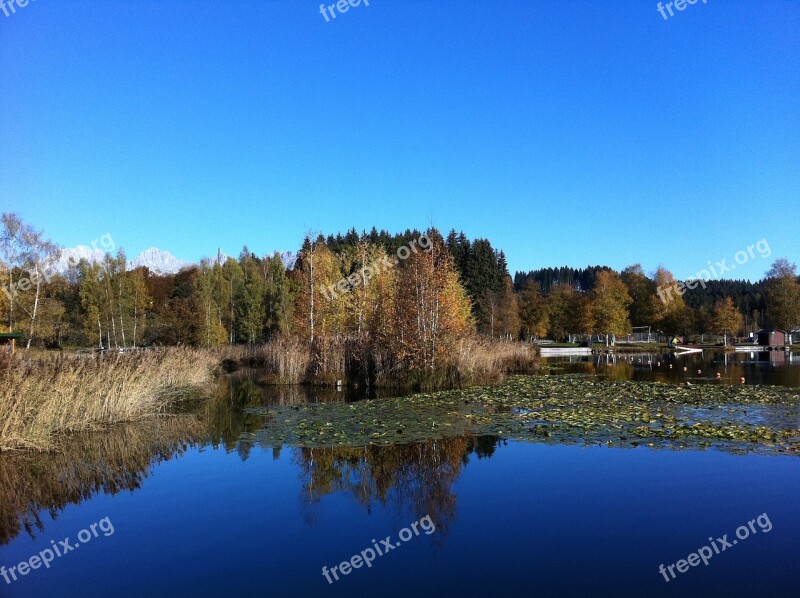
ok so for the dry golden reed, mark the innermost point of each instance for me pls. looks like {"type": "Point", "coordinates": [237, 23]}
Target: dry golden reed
{"type": "Point", "coordinates": [476, 360]}
{"type": "Point", "coordinates": [42, 396]}
{"type": "Point", "coordinates": [483, 360]}
{"type": "Point", "coordinates": [282, 361]}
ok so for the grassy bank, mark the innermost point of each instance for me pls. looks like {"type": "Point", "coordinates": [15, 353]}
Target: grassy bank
{"type": "Point", "coordinates": [287, 361]}
{"type": "Point", "coordinates": [45, 395]}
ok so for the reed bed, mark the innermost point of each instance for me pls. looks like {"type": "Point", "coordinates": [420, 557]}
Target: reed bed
{"type": "Point", "coordinates": [478, 360]}
{"type": "Point", "coordinates": [42, 396]}
{"type": "Point", "coordinates": [483, 360]}
{"type": "Point", "coordinates": [282, 361]}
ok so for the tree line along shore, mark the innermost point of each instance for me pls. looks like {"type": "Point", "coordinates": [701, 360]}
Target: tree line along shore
{"type": "Point", "coordinates": [416, 289]}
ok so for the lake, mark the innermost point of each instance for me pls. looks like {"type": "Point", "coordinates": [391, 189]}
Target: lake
{"type": "Point", "coordinates": [756, 367]}
{"type": "Point", "coordinates": [206, 503]}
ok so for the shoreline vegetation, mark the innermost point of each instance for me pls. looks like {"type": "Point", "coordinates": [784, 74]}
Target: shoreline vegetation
{"type": "Point", "coordinates": [46, 395]}
{"type": "Point", "coordinates": [412, 294]}
{"type": "Point", "coordinates": [413, 310]}
{"type": "Point", "coordinates": [347, 362]}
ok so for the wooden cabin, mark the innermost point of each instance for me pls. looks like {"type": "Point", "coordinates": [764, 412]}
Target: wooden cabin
{"type": "Point", "coordinates": [770, 337]}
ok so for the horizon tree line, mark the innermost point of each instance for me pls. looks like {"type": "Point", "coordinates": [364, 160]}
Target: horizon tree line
{"type": "Point", "coordinates": [414, 313]}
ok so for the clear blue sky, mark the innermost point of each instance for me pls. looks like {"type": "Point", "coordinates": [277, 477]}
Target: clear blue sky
{"type": "Point", "coordinates": [567, 132]}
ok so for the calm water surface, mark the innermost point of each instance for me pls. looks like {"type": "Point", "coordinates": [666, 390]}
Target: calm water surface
{"type": "Point", "coordinates": [198, 512]}
{"type": "Point", "coordinates": [780, 368]}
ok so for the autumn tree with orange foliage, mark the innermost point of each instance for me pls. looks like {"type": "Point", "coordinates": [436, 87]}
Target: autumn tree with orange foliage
{"type": "Point", "coordinates": [610, 301]}
{"type": "Point", "coordinates": [726, 318]}
{"type": "Point", "coordinates": [432, 309]}
{"type": "Point", "coordinates": [392, 318]}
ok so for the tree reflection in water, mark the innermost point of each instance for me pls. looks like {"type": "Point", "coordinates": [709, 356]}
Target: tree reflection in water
{"type": "Point", "coordinates": [88, 464]}
{"type": "Point", "coordinates": [415, 478]}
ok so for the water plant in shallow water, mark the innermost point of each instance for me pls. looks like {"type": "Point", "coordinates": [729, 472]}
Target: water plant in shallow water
{"type": "Point", "coordinates": [557, 409]}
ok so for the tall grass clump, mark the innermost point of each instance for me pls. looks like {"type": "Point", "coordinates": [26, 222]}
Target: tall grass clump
{"type": "Point", "coordinates": [363, 361]}
{"type": "Point", "coordinates": [284, 360]}
{"type": "Point", "coordinates": [42, 396]}
{"type": "Point", "coordinates": [477, 360]}
{"type": "Point", "coordinates": [484, 360]}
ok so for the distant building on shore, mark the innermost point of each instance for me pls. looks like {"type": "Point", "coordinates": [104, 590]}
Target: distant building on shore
{"type": "Point", "coordinates": [770, 337]}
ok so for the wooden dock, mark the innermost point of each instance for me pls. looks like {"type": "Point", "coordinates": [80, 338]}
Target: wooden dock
{"type": "Point", "coordinates": [760, 348]}
{"type": "Point", "coordinates": [558, 351]}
